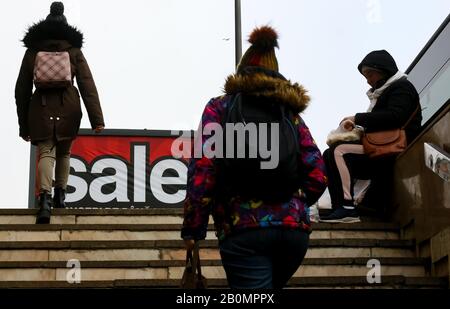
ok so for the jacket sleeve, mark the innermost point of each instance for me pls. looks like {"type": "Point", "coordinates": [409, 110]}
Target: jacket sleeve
{"type": "Point", "coordinates": [23, 92]}
{"type": "Point", "coordinates": [400, 106]}
{"type": "Point", "coordinates": [201, 182]}
{"type": "Point", "coordinates": [88, 91]}
{"type": "Point", "coordinates": [313, 180]}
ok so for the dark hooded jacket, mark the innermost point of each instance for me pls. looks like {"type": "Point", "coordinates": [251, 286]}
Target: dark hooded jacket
{"type": "Point", "coordinates": [58, 116]}
{"type": "Point", "coordinates": [396, 104]}
{"type": "Point", "coordinates": [240, 214]}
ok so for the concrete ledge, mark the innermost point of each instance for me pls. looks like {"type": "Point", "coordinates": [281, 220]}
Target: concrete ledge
{"type": "Point", "coordinates": [440, 253]}
{"type": "Point", "coordinates": [440, 245]}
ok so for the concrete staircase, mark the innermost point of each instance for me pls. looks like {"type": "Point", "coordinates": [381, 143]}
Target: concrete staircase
{"type": "Point", "coordinates": [142, 248]}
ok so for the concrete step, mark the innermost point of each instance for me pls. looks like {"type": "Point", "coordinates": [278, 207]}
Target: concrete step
{"type": "Point", "coordinates": [362, 226]}
{"type": "Point", "coordinates": [111, 270]}
{"type": "Point", "coordinates": [388, 282]}
{"type": "Point", "coordinates": [205, 262]}
{"type": "Point", "coordinates": [54, 232]}
{"type": "Point", "coordinates": [96, 211]}
{"type": "Point", "coordinates": [96, 216]}
{"type": "Point", "coordinates": [151, 216]}
{"type": "Point", "coordinates": [342, 243]}
{"type": "Point", "coordinates": [174, 249]}
{"type": "Point", "coordinates": [142, 248]}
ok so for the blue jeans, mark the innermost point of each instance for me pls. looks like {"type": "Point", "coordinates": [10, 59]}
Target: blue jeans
{"type": "Point", "coordinates": [263, 258]}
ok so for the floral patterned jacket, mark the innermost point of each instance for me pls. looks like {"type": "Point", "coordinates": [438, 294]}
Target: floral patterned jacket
{"type": "Point", "coordinates": [237, 214]}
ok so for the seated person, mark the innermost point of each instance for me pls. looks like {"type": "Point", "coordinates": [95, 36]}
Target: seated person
{"type": "Point", "coordinates": [393, 100]}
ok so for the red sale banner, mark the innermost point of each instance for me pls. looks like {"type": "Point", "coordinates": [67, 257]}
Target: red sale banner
{"type": "Point", "coordinates": [126, 168]}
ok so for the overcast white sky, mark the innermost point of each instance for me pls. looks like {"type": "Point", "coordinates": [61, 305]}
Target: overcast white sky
{"type": "Point", "coordinates": [156, 63]}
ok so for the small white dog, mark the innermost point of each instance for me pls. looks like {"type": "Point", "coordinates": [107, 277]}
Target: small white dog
{"type": "Point", "coordinates": [346, 132]}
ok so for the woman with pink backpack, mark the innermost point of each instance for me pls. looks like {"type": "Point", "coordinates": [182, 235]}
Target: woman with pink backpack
{"type": "Point", "coordinates": [50, 116]}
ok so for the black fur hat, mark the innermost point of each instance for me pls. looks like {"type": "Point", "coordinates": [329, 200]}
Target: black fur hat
{"type": "Point", "coordinates": [57, 13]}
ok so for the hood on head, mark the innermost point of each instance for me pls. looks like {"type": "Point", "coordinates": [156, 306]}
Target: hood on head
{"type": "Point", "coordinates": [273, 86]}
{"type": "Point", "coordinates": [51, 31]}
{"type": "Point", "coordinates": [380, 60]}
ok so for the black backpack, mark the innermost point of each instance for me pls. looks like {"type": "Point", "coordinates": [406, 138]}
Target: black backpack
{"type": "Point", "coordinates": [244, 176]}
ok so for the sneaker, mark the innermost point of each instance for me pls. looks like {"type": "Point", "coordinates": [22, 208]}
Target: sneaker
{"type": "Point", "coordinates": [342, 215]}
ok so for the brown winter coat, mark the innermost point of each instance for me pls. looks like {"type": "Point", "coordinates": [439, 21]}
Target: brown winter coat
{"type": "Point", "coordinates": [59, 114]}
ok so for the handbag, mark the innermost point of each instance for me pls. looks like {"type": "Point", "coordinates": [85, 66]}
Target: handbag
{"type": "Point", "coordinates": [386, 143]}
{"type": "Point", "coordinates": [192, 275]}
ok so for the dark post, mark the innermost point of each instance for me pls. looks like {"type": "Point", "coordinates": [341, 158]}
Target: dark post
{"type": "Point", "coordinates": [237, 31]}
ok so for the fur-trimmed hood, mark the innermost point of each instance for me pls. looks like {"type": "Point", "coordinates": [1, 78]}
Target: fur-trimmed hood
{"type": "Point", "coordinates": [276, 87]}
{"type": "Point", "coordinates": [45, 31]}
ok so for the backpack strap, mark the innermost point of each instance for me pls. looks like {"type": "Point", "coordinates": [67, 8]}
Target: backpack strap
{"type": "Point", "coordinates": [412, 116]}
{"type": "Point", "coordinates": [44, 99]}
{"type": "Point", "coordinates": [289, 116]}
{"type": "Point", "coordinates": [232, 104]}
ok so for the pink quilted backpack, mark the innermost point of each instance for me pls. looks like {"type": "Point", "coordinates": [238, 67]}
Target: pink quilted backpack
{"type": "Point", "coordinates": [52, 70]}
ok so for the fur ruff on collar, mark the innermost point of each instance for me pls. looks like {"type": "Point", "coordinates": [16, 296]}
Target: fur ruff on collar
{"type": "Point", "coordinates": [44, 30]}
{"type": "Point", "coordinates": [260, 84]}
